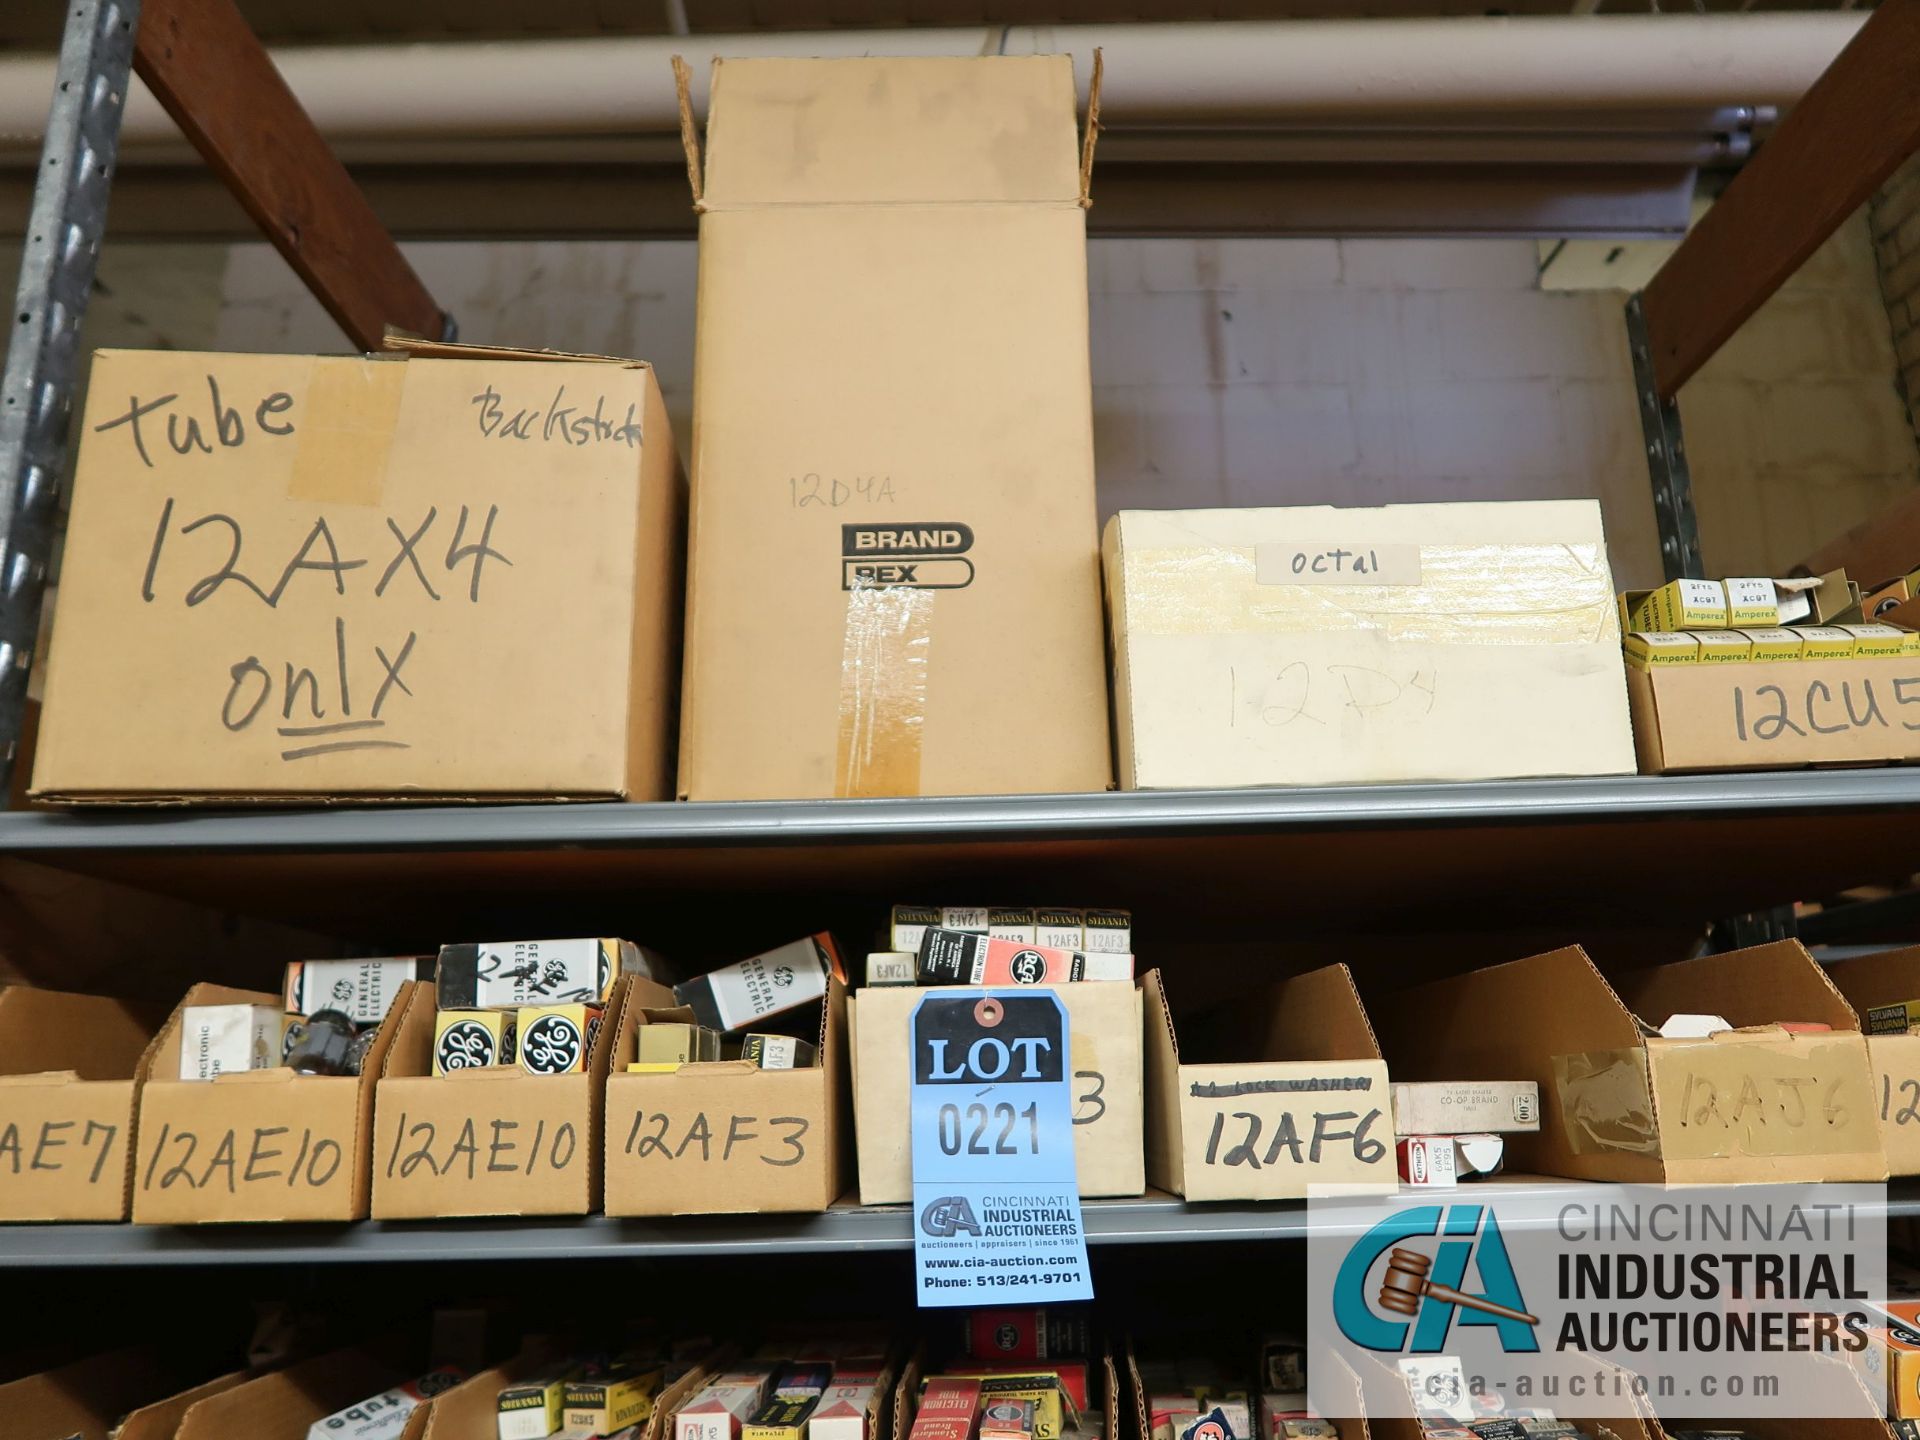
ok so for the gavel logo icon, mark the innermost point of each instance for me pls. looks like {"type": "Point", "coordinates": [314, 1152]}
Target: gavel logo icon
{"type": "Point", "coordinates": [1406, 1283]}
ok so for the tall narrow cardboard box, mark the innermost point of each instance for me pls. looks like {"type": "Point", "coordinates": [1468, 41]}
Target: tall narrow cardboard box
{"type": "Point", "coordinates": [894, 581]}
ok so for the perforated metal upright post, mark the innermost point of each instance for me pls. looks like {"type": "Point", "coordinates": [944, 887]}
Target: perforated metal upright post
{"type": "Point", "coordinates": [1666, 458]}
{"type": "Point", "coordinates": [56, 278]}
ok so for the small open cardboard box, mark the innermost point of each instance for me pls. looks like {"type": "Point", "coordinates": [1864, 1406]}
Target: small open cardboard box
{"type": "Point", "coordinates": [1621, 1419]}
{"type": "Point", "coordinates": [1756, 1103]}
{"type": "Point", "coordinates": [1140, 1424]}
{"type": "Point", "coordinates": [1857, 1414]}
{"type": "Point", "coordinates": [1103, 1023]}
{"type": "Point", "coordinates": [281, 1405]}
{"type": "Point", "coordinates": [724, 1136]}
{"type": "Point", "coordinates": [84, 1398]}
{"type": "Point", "coordinates": [1775, 714]}
{"type": "Point", "coordinates": [492, 1140]}
{"type": "Point", "coordinates": [1101, 1372]}
{"type": "Point", "coordinates": [470, 1409]}
{"type": "Point", "coordinates": [257, 1144]}
{"type": "Point", "coordinates": [70, 1074]}
{"type": "Point", "coordinates": [1888, 979]}
{"type": "Point", "coordinates": [161, 1420]}
{"type": "Point", "coordinates": [1311, 1109]}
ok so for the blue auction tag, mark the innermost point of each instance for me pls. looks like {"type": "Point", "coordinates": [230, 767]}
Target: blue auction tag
{"type": "Point", "coordinates": [995, 1200]}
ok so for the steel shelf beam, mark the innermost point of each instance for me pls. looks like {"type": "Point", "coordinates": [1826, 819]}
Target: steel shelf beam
{"type": "Point", "coordinates": [840, 1230]}
{"type": "Point", "coordinates": [1152, 1220]}
{"type": "Point", "coordinates": [961, 819]}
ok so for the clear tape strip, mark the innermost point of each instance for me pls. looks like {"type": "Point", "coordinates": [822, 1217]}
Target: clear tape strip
{"type": "Point", "coordinates": [1605, 1105]}
{"type": "Point", "coordinates": [1467, 595]}
{"type": "Point", "coordinates": [883, 690]}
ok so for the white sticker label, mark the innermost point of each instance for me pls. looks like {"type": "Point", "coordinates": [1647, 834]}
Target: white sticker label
{"type": "Point", "coordinates": [1283, 564]}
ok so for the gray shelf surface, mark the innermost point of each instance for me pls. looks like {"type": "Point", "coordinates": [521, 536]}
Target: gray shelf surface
{"type": "Point", "coordinates": [1154, 1219]}
{"type": "Point", "coordinates": [958, 818]}
{"type": "Point", "coordinates": [1558, 856]}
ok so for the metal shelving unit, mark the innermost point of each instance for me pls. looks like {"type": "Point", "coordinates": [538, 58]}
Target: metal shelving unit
{"type": "Point", "coordinates": [1543, 847]}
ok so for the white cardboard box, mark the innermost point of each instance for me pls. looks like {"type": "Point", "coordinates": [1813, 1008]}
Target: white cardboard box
{"type": "Point", "coordinates": [1316, 645]}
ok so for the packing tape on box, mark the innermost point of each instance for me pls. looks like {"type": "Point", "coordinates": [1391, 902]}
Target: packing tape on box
{"type": "Point", "coordinates": [1604, 1102]}
{"type": "Point", "coordinates": [1466, 595]}
{"type": "Point", "coordinates": [883, 690]}
{"type": "Point", "coordinates": [346, 424]}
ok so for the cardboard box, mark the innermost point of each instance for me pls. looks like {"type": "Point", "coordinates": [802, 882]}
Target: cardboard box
{"type": "Point", "coordinates": [717, 1411]}
{"type": "Point", "coordinates": [784, 978]}
{"type": "Point", "coordinates": [257, 1145]}
{"type": "Point", "coordinates": [85, 1397]}
{"type": "Point", "coordinates": [309, 567]}
{"type": "Point", "coordinates": [1619, 1105]}
{"type": "Point", "coordinates": [946, 1410]}
{"type": "Point", "coordinates": [556, 1039]}
{"type": "Point", "coordinates": [71, 1067]}
{"type": "Point", "coordinates": [1689, 605]}
{"type": "Point", "coordinates": [1725, 647]}
{"type": "Point", "coordinates": [471, 1408]}
{"type": "Point", "coordinates": [362, 990]}
{"type": "Point", "coordinates": [1878, 642]}
{"type": "Point", "coordinates": [1463, 1107]}
{"type": "Point", "coordinates": [161, 1419]}
{"type": "Point", "coordinates": [473, 1039]}
{"type": "Point", "coordinates": [1311, 1106]}
{"type": "Point", "coordinates": [1889, 978]}
{"type": "Point", "coordinates": [1663, 647]}
{"type": "Point", "coordinates": [1103, 1023]}
{"type": "Point", "coordinates": [1775, 715]}
{"type": "Point", "coordinates": [512, 973]}
{"type": "Point", "coordinates": [281, 1404]}
{"type": "Point", "coordinates": [488, 1140]}
{"type": "Point", "coordinates": [950, 957]}
{"type": "Point", "coordinates": [1483, 644]}
{"type": "Point", "coordinates": [918, 281]}
{"type": "Point", "coordinates": [614, 1397]}
{"type": "Point", "coordinates": [726, 1136]}
{"type": "Point", "coordinates": [384, 1415]}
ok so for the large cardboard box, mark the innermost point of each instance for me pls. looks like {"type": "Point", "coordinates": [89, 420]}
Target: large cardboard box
{"type": "Point", "coordinates": [1310, 1108]}
{"type": "Point", "coordinates": [488, 1140]}
{"type": "Point", "coordinates": [1773, 715]}
{"type": "Point", "coordinates": [454, 575]}
{"type": "Point", "coordinates": [1757, 1103]}
{"type": "Point", "coordinates": [721, 1136]}
{"type": "Point", "coordinates": [254, 1144]}
{"type": "Point", "coordinates": [1890, 978]}
{"type": "Point", "coordinates": [894, 580]}
{"type": "Point", "coordinates": [1316, 645]}
{"type": "Point", "coordinates": [1104, 1029]}
{"type": "Point", "coordinates": [70, 1073]}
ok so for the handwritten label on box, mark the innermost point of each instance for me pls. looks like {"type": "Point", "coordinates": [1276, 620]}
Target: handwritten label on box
{"type": "Point", "coordinates": [1317, 564]}
{"type": "Point", "coordinates": [1267, 1131]}
{"type": "Point", "coordinates": [1763, 1098]}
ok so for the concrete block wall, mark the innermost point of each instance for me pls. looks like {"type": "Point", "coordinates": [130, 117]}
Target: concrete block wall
{"type": "Point", "coordinates": [1894, 215]}
{"type": "Point", "coordinates": [1238, 372]}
